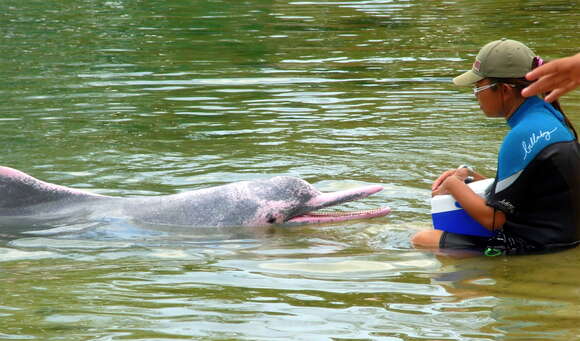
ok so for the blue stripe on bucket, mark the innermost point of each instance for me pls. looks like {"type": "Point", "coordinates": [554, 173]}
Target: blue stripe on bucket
{"type": "Point", "coordinates": [458, 221]}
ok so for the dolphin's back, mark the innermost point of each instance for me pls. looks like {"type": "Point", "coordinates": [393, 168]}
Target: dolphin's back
{"type": "Point", "coordinates": [19, 190]}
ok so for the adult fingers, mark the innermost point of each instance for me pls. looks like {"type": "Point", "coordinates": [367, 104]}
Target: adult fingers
{"type": "Point", "coordinates": [556, 93]}
{"type": "Point", "coordinates": [546, 69]}
{"type": "Point", "coordinates": [544, 84]}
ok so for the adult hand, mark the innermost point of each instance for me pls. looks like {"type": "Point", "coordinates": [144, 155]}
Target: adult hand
{"type": "Point", "coordinates": [558, 76]}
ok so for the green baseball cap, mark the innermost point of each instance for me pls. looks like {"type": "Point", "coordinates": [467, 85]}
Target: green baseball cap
{"type": "Point", "coordinates": [504, 58]}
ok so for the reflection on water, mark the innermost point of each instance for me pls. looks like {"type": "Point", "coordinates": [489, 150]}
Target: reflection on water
{"type": "Point", "coordinates": [145, 98]}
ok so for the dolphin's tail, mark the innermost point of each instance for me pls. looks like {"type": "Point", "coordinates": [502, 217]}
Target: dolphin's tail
{"type": "Point", "coordinates": [19, 190]}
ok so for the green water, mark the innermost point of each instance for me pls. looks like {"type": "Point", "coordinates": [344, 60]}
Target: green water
{"type": "Point", "coordinates": [155, 97]}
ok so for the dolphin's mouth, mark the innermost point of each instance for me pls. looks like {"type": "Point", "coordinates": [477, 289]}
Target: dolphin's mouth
{"type": "Point", "coordinates": [332, 217]}
{"type": "Point", "coordinates": [312, 215]}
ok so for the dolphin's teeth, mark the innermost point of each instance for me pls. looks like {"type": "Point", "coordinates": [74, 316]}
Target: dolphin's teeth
{"type": "Point", "coordinates": [342, 213]}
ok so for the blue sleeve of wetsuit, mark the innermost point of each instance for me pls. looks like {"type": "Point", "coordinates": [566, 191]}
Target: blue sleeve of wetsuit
{"type": "Point", "coordinates": [526, 141]}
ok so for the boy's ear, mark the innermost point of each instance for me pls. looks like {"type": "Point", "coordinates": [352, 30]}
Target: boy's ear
{"type": "Point", "coordinates": [506, 88]}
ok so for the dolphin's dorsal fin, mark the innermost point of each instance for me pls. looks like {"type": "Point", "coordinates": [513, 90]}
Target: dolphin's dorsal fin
{"type": "Point", "coordinates": [18, 189]}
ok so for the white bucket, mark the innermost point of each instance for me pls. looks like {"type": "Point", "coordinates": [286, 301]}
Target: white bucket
{"type": "Point", "coordinates": [448, 215]}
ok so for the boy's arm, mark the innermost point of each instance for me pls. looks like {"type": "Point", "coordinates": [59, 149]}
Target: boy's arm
{"type": "Point", "coordinates": [473, 204]}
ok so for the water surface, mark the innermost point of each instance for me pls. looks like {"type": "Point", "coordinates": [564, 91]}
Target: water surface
{"type": "Point", "coordinates": [145, 98]}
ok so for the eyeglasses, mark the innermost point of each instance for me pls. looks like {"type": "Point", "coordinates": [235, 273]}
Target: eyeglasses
{"type": "Point", "coordinates": [481, 88]}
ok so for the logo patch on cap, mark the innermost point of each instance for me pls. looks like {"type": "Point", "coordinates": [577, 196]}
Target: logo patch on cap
{"type": "Point", "coordinates": [477, 65]}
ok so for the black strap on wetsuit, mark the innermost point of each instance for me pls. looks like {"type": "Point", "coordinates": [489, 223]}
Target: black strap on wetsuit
{"type": "Point", "coordinates": [492, 251]}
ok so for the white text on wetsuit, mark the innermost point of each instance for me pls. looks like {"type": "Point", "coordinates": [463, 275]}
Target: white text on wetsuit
{"type": "Point", "coordinates": [528, 147]}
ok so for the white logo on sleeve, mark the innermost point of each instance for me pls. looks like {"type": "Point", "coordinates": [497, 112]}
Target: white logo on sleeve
{"type": "Point", "coordinates": [528, 145]}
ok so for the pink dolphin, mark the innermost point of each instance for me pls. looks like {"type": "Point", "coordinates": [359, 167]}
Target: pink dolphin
{"type": "Point", "coordinates": [280, 200]}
